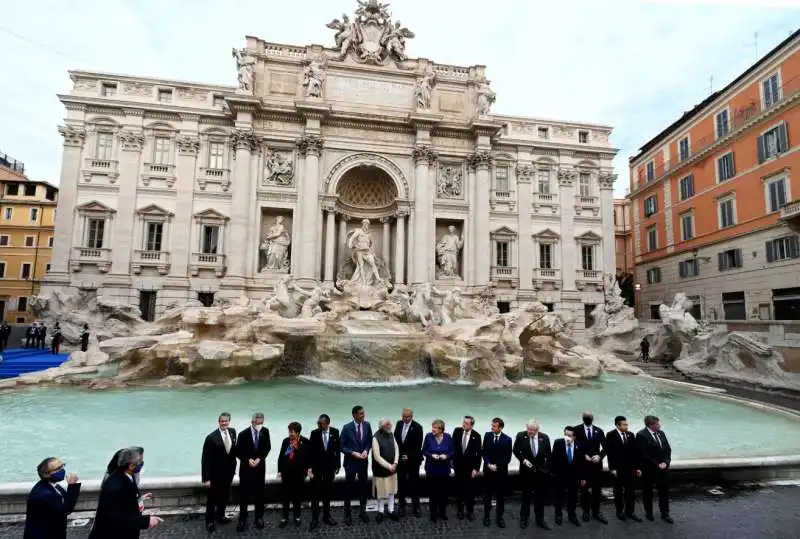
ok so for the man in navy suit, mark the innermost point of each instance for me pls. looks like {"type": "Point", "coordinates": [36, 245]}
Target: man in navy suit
{"type": "Point", "coordinates": [532, 449]}
{"type": "Point", "coordinates": [48, 503]}
{"type": "Point", "coordinates": [623, 463]}
{"type": "Point", "coordinates": [252, 447]}
{"type": "Point", "coordinates": [466, 465]}
{"type": "Point", "coordinates": [356, 442]}
{"type": "Point", "coordinates": [593, 442]}
{"type": "Point", "coordinates": [655, 457]}
{"type": "Point", "coordinates": [218, 465]}
{"type": "Point", "coordinates": [568, 466]}
{"type": "Point", "coordinates": [497, 449]}
{"type": "Point", "coordinates": [408, 435]}
{"type": "Point", "coordinates": [326, 461]}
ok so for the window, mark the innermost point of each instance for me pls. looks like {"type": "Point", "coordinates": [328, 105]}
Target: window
{"type": "Point", "coordinates": [721, 122]}
{"type": "Point", "coordinates": [29, 241]}
{"type": "Point", "coordinates": [725, 167]}
{"type": "Point", "coordinates": [587, 257]}
{"type": "Point", "coordinates": [784, 248]}
{"type": "Point", "coordinates": [503, 307]}
{"type": "Point", "coordinates": [34, 214]}
{"type": "Point", "coordinates": [651, 171]}
{"type": "Point", "coordinates": [650, 205]}
{"type": "Point", "coordinates": [652, 238]}
{"type": "Point", "coordinates": [543, 133]}
{"type": "Point", "coordinates": [155, 232]}
{"type": "Point", "coordinates": [12, 189]}
{"type": "Point", "coordinates": [773, 143]}
{"type": "Point", "coordinates": [164, 96]}
{"type": "Point", "coordinates": [727, 213]}
{"type": "Point", "coordinates": [687, 226]}
{"type": "Point", "coordinates": [22, 304]}
{"type": "Point", "coordinates": [655, 313]}
{"type": "Point", "coordinates": [94, 233]}
{"type": "Point", "coordinates": [585, 184]}
{"type": "Point", "coordinates": [50, 242]}
{"type": "Point", "coordinates": [770, 91]}
{"type": "Point", "coordinates": [47, 268]}
{"type": "Point", "coordinates": [776, 194]}
{"type": "Point", "coordinates": [501, 179]}
{"type": "Point", "coordinates": [733, 305]}
{"type": "Point", "coordinates": [729, 259]}
{"type": "Point", "coordinates": [206, 298]}
{"type": "Point", "coordinates": [20, 320]}
{"type": "Point", "coordinates": [688, 268]}
{"type": "Point", "coordinates": [210, 239]}
{"type": "Point", "coordinates": [545, 256]}
{"type": "Point", "coordinates": [550, 307]}
{"type": "Point", "coordinates": [105, 144]}
{"type": "Point", "coordinates": [2, 270]}
{"type": "Point", "coordinates": [147, 304]}
{"type": "Point", "coordinates": [686, 187]}
{"type": "Point", "coordinates": [30, 189]}
{"type": "Point", "coordinates": [219, 100]}
{"type": "Point", "coordinates": [3, 241]}
{"type": "Point", "coordinates": [683, 149]}
{"type": "Point", "coordinates": [543, 181]}
{"type": "Point", "coordinates": [502, 254]}
{"type": "Point", "coordinates": [654, 276]}
{"type": "Point", "coordinates": [25, 271]}
{"type": "Point", "coordinates": [161, 151]}
{"type": "Point", "coordinates": [583, 137]}
{"type": "Point", "coordinates": [216, 152]}
{"type": "Point", "coordinates": [8, 213]}
{"type": "Point", "coordinates": [50, 194]}
{"type": "Point", "coordinates": [108, 89]}
{"type": "Point", "coordinates": [588, 319]}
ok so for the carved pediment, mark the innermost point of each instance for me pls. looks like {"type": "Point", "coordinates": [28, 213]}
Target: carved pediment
{"type": "Point", "coordinates": [210, 214]}
{"type": "Point", "coordinates": [504, 231]}
{"type": "Point", "coordinates": [94, 207]}
{"type": "Point", "coordinates": [547, 234]}
{"type": "Point", "coordinates": [154, 210]}
{"type": "Point", "coordinates": [589, 237]}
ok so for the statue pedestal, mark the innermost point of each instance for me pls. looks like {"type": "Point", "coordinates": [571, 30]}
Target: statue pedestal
{"type": "Point", "coordinates": [363, 296]}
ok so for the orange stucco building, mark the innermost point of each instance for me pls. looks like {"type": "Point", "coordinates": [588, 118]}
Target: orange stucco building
{"type": "Point", "coordinates": [623, 234]}
{"type": "Point", "coordinates": [709, 194]}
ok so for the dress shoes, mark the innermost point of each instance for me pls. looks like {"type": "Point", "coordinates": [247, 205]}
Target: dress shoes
{"type": "Point", "coordinates": [364, 518]}
{"type": "Point", "coordinates": [297, 523]}
{"type": "Point", "coordinates": [667, 519]}
{"type": "Point", "coordinates": [523, 523]}
{"type": "Point", "coordinates": [417, 512]}
{"type": "Point", "coordinates": [210, 527]}
{"type": "Point", "coordinates": [393, 516]}
{"type": "Point", "coordinates": [470, 516]}
{"type": "Point", "coordinates": [379, 518]}
{"type": "Point", "coordinates": [224, 520]}
{"type": "Point", "coordinates": [574, 520]}
{"type": "Point", "coordinates": [260, 523]}
{"type": "Point", "coordinates": [542, 524]}
{"type": "Point", "coordinates": [283, 523]}
{"type": "Point", "coordinates": [487, 521]}
{"type": "Point", "coordinates": [559, 520]}
{"type": "Point", "coordinates": [634, 518]}
{"type": "Point", "coordinates": [348, 519]}
{"type": "Point", "coordinates": [600, 518]}
{"type": "Point", "coordinates": [586, 517]}
{"type": "Point", "coordinates": [622, 517]}
{"type": "Point", "coordinates": [401, 510]}
{"type": "Point", "coordinates": [241, 526]}
{"type": "Point", "coordinates": [328, 520]}
{"type": "Point", "coordinates": [500, 522]}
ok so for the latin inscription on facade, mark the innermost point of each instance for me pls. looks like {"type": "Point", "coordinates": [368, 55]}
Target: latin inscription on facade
{"type": "Point", "coordinates": [283, 83]}
{"type": "Point", "coordinates": [368, 92]}
{"type": "Point", "coordinates": [449, 102]}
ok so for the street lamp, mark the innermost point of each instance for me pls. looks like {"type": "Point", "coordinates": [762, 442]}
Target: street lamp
{"type": "Point", "coordinates": [637, 288]}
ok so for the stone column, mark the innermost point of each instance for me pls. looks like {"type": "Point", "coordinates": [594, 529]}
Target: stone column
{"type": "Point", "coordinates": [243, 143]}
{"type": "Point", "coordinates": [607, 216]}
{"type": "Point", "coordinates": [181, 246]}
{"type": "Point", "coordinates": [385, 248]}
{"type": "Point", "coordinates": [525, 173]}
{"type": "Point", "coordinates": [423, 216]}
{"type": "Point", "coordinates": [131, 143]}
{"type": "Point", "coordinates": [569, 251]}
{"type": "Point", "coordinates": [307, 247]}
{"type": "Point", "coordinates": [330, 244]}
{"type": "Point", "coordinates": [400, 249]}
{"type": "Point", "coordinates": [342, 239]}
{"type": "Point", "coordinates": [468, 257]}
{"type": "Point", "coordinates": [481, 161]}
{"type": "Point", "coordinates": [63, 238]}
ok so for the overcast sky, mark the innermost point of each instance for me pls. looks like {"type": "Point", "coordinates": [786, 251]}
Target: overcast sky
{"type": "Point", "coordinates": [632, 64]}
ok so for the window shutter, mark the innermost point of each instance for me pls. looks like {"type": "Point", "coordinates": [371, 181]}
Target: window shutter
{"type": "Point", "coordinates": [738, 258]}
{"type": "Point", "coordinates": [681, 270]}
{"type": "Point", "coordinates": [721, 261]}
{"type": "Point", "coordinates": [794, 247]}
{"type": "Point", "coordinates": [690, 185]}
{"type": "Point", "coordinates": [733, 165]}
{"type": "Point", "coordinates": [770, 247]}
{"type": "Point", "coordinates": [762, 151]}
{"type": "Point", "coordinates": [783, 137]}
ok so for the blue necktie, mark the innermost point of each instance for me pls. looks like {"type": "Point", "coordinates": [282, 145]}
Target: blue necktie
{"type": "Point", "coordinates": [325, 439]}
{"type": "Point", "coordinates": [569, 453]}
{"type": "Point", "coordinates": [255, 438]}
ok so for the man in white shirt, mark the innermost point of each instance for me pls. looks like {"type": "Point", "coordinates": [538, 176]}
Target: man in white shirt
{"type": "Point", "coordinates": [466, 465]}
{"type": "Point", "coordinates": [408, 435]}
{"type": "Point", "coordinates": [218, 465]}
{"type": "Point", "coordinates": [655, 455]}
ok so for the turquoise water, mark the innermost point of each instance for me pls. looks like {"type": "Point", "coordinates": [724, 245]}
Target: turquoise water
{"type": "Point", "coordinates": [85, 428]}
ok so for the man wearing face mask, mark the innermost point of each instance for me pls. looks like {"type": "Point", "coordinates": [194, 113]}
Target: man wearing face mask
{"type": "Point", "coordinates": [252, 447]}
{"type": "Point", "coordinates": [118, 514]}
{"type": "Point", "coordinates": [568, 467]}
{"type": "Point", "coordinates": [48, 503]}
{"type": "Point", "coordinates": [593, 441]}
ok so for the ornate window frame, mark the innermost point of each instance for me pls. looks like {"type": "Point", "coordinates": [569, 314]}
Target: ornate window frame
{"type": "Point", "coordinates": [94, 210]}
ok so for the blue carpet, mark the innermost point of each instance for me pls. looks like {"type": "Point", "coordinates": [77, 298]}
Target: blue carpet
{"type": "Point", "coordinates": [19, 361]}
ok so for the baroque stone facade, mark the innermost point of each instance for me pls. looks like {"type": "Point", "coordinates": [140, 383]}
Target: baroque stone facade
{"type": "Point", "coordinates": [173, 191]}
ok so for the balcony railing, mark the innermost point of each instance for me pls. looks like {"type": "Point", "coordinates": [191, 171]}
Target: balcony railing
{"type": "Point", "coordinates": [108, 167]}
{"type": "Point", "coordinates": [740, 118]}
{"type": "Point", "coordinates": [587, 200]}
{"type": "Point", "coordinates": [97, 256]}
{"type": "Point", "coordinates": [790, 215]}
{"type": "Point", "coordinates": [504, 273]}
{"type": "Point", "coordinates": [150, 259]}
{"type": "Point", "coordinates": [6, 161]}
{"type": "Point", "coordinates": [208, 261]}
{"type": "Point", "coordinates": [546, 274]}
{"type": "Point", "coordinates": [589, 275]}
{"type": "Point", "coordinates": [158, 169]}
{"type": "Point", "coordinates": [502, 194]}
{"type": "Point", "coordinates": [214, 175]}
{"type": "Point", "coordinates": [545, 198]}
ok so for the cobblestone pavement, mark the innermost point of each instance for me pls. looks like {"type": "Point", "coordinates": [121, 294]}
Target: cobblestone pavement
{"type": "Point", "coordinates": [769, 513]}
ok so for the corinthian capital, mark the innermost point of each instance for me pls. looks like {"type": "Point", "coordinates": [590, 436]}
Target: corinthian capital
{"type": "Point", "coordinates": [607, 180]}
{"type": "Point", "coordinates": [424, 154]}
{"type": "Point", "coordinates": [310, 145]}
{"type": "Point", "coordinates": [482, 159]}
{"type": "Point", "coordinates": [131, 141]}
{"type": "Point", "coordinates": [244, 140]}
{"type": "Point", "coordinates": [73, 136]}
{"type": "Point", "coordinates": [187, 145]}
{"type": "Point", "coordinates": [524, 173]}
{"type": "Point", "coordinates": [566, 176]}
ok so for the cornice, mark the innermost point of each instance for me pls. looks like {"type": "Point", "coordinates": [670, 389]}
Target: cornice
{"type": "Point", "coordinates": [105, 106]}
{"type": "Point", "coordinates": [100, 76]}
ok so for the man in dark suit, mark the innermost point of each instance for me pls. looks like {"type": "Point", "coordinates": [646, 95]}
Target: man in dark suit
{"type": "Point", "coordinates": [497, 449]}
{"type": "Point", "coordinates": [624, 467]}
{"type": "Point", "coordinates": [118, 515]}
{"type": "Point", "coordinates": [655, 456]}
{"type": "Point", "coordinates": [48, 503]}
{"type": "Point", "coordinates": [466, 465]}
{"type": "Point", "coordinates": [218, 465]}
{"type": "Point", "coordinates": [356, 443]}
{"type": "Point", "coordinates": [326, 461]}
{"type": "Point", "coordinates": [593, 443]}
{"type": "Point", "coordinates": [532, 449]}
{"type": "Point", "coordinates": [567, 466]}
{"type": "Point", "coordinates": [252, 447]}
{"type": "Point", "coordinates": [408, 435]}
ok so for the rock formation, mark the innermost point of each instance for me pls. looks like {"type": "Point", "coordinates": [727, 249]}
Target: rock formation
{"type": "Point", "coordinates": [615, 328]}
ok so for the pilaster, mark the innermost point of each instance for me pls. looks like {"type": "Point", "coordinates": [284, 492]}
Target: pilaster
{"type": "Point", "coordinates": [569, 254]}
{"type": "Point", "coordinates": [480, 162]}
{"type": "Point", "coordinates": [607, 216]}
{"type": "Point", "coordinates": [524, 174]}
{"type": "Point", "coordinates": [243, 143]}
{"type": "Point", "coordinates": [131, 142]}
{"type": "Point", "coordinates": [181, 246]}
{"type": "Point", "coordinates": [63, 240]}
{"type": "Point", "coordinates": [421, 255]}
{"type": "Point", "coordinates": [310, 148]}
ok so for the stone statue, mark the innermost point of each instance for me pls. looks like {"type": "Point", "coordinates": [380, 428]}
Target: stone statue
{"type": "Point", "coordinates": [447, 251]}
{"type": "Point", "coordinates": [359, 241]}
{"type": "Point", "coordinates": [313, 78]}
{"type": "Point", "coordinates": [276, 247]}
{"type": "Point", "coordinates": [449, 183]}
{"type": "Point", "coordinates": [346, 34]}
{"type": "Point", "coordinates": [453, 306]}
{"type": "Point", "coordinates": [486, 98]}
{"type": "Point", "coordinates": [424, 89]}
{"type": "Point", "coordinates": [394, 41]}
{"type": "Point", "coordinates": [421, 306]}
{"type": "Point", "coordinates": [245, 66]}
{"type": "Point", "coordinates": [371, 36]}
{"type": "Point", "coordinates": [288, 297]}
{"type": "Point", "coordinates": [278, 170]}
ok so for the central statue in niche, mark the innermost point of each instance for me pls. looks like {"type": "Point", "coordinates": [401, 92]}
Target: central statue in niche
{"type": "Point", "coordinates": [363, 277]}
{"type": "Point", "coordinates": [359, 241]}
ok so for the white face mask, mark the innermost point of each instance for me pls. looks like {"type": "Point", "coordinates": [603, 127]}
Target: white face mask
{"type": "Point", "coordinates": [258, 427]}
{"type": "Point", "coordinates": [568, 439]}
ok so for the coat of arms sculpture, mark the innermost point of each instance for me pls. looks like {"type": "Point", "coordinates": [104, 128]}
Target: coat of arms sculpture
{"type": "Point", "coordinates": [372, 37]}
